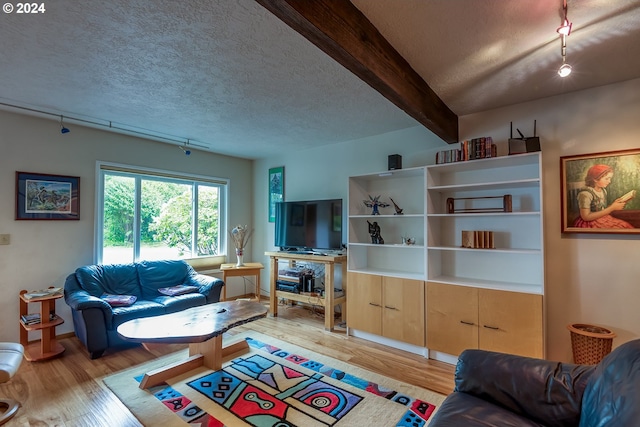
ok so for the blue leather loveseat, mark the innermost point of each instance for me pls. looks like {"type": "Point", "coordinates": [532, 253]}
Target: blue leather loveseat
{"type": "Point", "coordinates": [95, 320]}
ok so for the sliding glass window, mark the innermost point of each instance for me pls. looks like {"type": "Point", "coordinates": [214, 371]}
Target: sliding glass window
{"type": "Point", "coordinates": [150, 215]}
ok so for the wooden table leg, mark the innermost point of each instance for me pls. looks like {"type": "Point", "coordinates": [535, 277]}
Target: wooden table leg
{"type": "Point", "coordinates": [273, 299]}
{"type": "Point", "coordinates": [258, 285]}
{"type": "Point", "coordinates": [208, 353]}
{"type": "Point", "coordinates": [224, 287]}
{"type": "Point", "coordinates": [329, 309]}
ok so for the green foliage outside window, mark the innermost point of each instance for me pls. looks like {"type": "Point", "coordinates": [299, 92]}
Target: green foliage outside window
{"type": "Point", "coordinates": [166, 214]}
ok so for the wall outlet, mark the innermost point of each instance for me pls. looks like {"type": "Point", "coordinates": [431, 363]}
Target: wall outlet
{"type": "Point", "coordinates": [5, 239]}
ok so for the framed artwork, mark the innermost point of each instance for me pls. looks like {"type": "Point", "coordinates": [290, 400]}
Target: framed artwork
{"type": "Point", "coordinates": [276, 190]}
{"type": "Point", "coordinates": [47, 197]}
{"type": "Point", "coordinates": [599, 192]}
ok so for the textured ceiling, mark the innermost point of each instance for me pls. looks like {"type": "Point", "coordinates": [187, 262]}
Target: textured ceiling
{"type": "Point", "coordinates": [229, 77]}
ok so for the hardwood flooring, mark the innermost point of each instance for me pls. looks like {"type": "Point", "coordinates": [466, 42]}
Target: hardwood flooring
{"type": "Point", "coordinates": [68, 391]}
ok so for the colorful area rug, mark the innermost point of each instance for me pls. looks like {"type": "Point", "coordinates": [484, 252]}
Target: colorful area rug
{"type": "Point", "coordinates": [275, 384]}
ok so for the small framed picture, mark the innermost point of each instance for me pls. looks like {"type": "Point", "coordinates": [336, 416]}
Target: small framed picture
{"type": "Point", "coordinates": [599, 192]}
{"type": "Point", "coordinates": [47, 197]}
{"type": "Point", "coordinates": [276, 190]}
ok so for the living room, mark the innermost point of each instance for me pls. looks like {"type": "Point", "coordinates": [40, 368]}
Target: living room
{"type": "Point", "coordinates": [583, 282]}
{"type": "Point", "coordinates": [589, 278]}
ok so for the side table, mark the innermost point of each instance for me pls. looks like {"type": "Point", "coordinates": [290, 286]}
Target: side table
{"type": "Point", "coordinates": [47, 347]}
{"type": "Point", "coordinates": [248, 269]}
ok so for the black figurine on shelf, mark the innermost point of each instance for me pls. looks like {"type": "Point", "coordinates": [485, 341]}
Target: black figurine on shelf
{"type": "Point", "coordinates": [374, 203]}
{"type": "Point", "coordinates": [374, 231]}
{"type": "Point", "coordinates": [396, 207]}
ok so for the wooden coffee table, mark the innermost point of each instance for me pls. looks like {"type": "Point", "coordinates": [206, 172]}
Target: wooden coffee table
{"type": "Point", "coordinates": [201, 327]}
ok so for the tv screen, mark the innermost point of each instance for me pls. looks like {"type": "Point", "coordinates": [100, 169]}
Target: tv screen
{"type": "Point", "coordinates": [308, 225]}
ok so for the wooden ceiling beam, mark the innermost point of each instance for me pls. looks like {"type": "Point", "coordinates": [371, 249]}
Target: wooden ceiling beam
{"type": "Point", "coordinates": [339, 29]}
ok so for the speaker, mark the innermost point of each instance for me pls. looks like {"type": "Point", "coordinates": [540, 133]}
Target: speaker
{"type": "Point", "coordinates": [307, 283]}
{"type": "Point", "coordinates": [395, 161]}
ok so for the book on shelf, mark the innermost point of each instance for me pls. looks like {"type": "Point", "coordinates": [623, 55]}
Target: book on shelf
{"type": "Point", "coordinates": [34, 318]}
{"type": "Point", "coordinates": [472, 149]}
{"type": "Point", "coordinates": [42, 293]}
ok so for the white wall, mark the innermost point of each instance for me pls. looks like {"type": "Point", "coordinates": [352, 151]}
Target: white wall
{"type": "Point", "coordinates": [591, 279]}
{"type": "Point", "coordinates": [323, 173]}
{"type": "Point", "coordinates": [43, 253]}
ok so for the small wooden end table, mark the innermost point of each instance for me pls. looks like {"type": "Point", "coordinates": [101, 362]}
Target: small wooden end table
{"type": "Point", "coordinates": [201, 327]}
{"type": "Point", "coordinates": [47, 347]}
{"type": "Point", "coordinates": [248, 269]}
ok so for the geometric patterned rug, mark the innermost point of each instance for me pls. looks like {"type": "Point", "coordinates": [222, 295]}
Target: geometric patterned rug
{"type": "Point", "coordinates": [279, 384]}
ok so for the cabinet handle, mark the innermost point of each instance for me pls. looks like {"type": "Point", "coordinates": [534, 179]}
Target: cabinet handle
{"type": "Point", "coordinates": [390, 308]}
{"type": "Point", "coordinates": [375, 305]}
{"type": "Point", "coordinates": [467, 323]}
{"type": "Point", "coordinates": [495, 328]}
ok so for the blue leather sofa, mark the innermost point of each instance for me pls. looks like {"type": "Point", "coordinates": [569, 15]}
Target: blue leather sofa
{"type": "Point", "coordinates": [95, 320]}
{"type": "Point", "coordinates": [495, 389]}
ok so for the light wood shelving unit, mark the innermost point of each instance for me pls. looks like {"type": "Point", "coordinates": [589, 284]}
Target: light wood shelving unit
{"type": "Point", "coordinates": [328, 301]}
{"type": "Point", "coordinates": [486, 298]}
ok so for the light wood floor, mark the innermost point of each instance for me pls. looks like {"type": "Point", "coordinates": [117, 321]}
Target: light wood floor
{"type": "Point", "coordinates": [68, 391]}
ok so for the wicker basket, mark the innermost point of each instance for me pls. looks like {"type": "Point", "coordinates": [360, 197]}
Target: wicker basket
{"type": "Point", "coordinates": [590, 343]}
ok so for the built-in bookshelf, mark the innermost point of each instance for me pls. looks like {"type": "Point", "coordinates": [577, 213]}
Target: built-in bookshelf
{"type": "Point", "coordinates": [403, 253]}
{"type": "Point", "coordinates": [516, 261]}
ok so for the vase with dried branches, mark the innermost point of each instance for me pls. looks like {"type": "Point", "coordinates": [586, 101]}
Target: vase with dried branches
{"type": "Point", "coordinates": [240, 236]}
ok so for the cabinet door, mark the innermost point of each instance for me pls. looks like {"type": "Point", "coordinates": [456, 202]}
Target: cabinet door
{"type": "Point", "coordinates": [511, 322]}
{"type": "Point", "coordinates": [403, 312]}
{"type": "Point", "coordinates": [452, 318]}
{"type": "Point", "coordinates": [364, 304]}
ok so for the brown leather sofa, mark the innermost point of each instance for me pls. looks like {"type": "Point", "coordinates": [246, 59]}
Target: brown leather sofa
{"type": "Point", "coordinates": [495, 389]}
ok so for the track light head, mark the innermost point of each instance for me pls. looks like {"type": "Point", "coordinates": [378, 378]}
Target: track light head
{"type": "Point", "coordinates": [564, 70]}
{"type": "Point", "coordinates": [565, 28]}
{"type": "Point", "coordinates": [63, 129]}
{"type": "Point", "coordinates": [185, 148]}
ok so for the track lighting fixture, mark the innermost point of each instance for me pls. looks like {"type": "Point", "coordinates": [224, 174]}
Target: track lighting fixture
{"type": "Point", "coordinates": [185, 149]}
{"type": "Point", "coordinates": [63, 129]}
{"type": "Point", "coordinates": [564, 70]}
{"type": "Point", "coordinates": [564, 30]}
{"type": "Point", "coordinates": [113, 127]}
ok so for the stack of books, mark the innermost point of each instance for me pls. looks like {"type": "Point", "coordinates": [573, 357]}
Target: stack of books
{"type": "Point", "coordinates": [34, 319]}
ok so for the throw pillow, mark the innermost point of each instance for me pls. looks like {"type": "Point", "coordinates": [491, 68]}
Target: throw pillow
{"type": "Point", "coordinates": [119, 300]}
{"type": "Point", "coordinates": [178, 290]}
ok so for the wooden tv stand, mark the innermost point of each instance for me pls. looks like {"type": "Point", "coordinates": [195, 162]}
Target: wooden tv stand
{"type": "Point", "coordinates": [328, 301]}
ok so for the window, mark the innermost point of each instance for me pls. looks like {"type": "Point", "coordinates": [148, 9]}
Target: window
{"type": "Point", "coordinates": [146, 214]}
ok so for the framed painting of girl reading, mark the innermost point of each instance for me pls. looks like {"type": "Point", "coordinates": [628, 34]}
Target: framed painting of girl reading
{"type": "Point", "coordinates": [599, 192]}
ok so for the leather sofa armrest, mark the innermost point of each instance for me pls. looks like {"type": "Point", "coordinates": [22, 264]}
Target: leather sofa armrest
{"type": "Point", "coordinates": [82, 300]}
{"type": "Point", "coordinates": [208, 286]}
{"type": "Point", "coordinates": [545, 391]}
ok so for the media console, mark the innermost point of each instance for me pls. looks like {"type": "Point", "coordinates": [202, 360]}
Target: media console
{"type": "Point", "coordinates": [328, 301]}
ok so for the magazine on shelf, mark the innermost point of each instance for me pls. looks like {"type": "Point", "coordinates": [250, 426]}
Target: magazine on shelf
{"type": "Point", "coordinates": [42, 293]}
{"type": "Point", "coordinates": [34, 318]}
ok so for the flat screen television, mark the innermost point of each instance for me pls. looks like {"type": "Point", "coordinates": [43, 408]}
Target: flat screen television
{"type": "Point", "coordinates": [309, 225]}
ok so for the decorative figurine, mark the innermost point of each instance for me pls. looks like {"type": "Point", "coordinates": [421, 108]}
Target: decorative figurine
{"type": "Point", "coordinates": [408, 241]}
{"type": "Point", "coordinates": [396, 207]}
{"type": "Point", "coordinates": [374, 203]}
{"type": "Point", "coordinates": [374, 231]}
